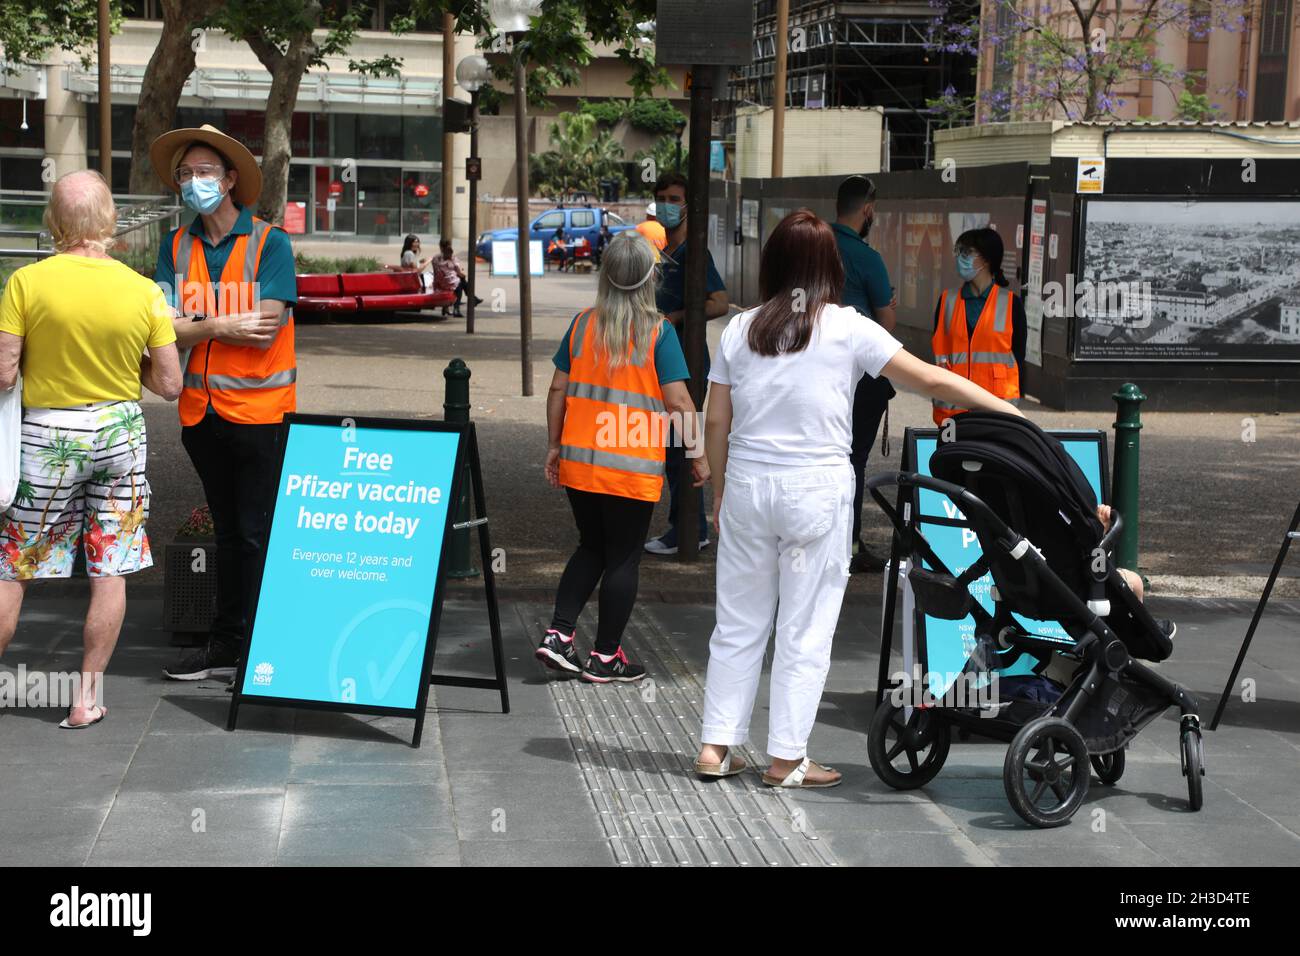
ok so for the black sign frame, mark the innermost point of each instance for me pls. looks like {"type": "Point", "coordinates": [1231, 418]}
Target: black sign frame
{"type": "Point", "coordinates": [467, 454]}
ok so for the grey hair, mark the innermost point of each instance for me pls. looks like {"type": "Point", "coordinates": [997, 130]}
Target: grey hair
{"type": "Point", "coordinates": [81, 210]}
{"type": "Point", "coordinates": [626, 313]}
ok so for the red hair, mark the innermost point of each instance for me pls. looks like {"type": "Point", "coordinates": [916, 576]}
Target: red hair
{"type": "Point", "coordinates": [800, 273]}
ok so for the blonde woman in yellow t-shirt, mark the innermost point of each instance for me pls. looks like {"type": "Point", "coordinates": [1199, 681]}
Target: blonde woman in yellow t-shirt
{"type": "Point", "coordinates": [79, 325]}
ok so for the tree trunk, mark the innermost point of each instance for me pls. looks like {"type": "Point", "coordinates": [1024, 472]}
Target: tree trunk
{"type": "Point", "coordinates": [287, 69]}
{"type": "Point", "coordinates": [160, 89]}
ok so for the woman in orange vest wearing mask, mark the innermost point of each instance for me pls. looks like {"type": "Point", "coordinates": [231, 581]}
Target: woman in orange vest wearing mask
{"type": "Point", "coordinates": [619, 368]}
{"type": "Point", "coordinates": [979, 328]}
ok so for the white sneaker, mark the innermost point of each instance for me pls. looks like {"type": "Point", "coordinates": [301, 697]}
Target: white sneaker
{"type": "Point", "coordinates": [658, 545]}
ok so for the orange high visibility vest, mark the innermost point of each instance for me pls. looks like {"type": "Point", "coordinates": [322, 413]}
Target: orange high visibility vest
{"type": "Point", "coordinates": [986, 358]}
{"type": "Point", "coordinates": [247, 385]}
{"type": "Point", "coordinates": [655, 232]}
{"type": "Point", "coordinates": [615, 429]}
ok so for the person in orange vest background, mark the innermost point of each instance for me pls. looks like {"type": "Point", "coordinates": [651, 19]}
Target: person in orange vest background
{"type": "Point", "coordinates": [232, 282]}
{"type": "Point", "coordinates": [654, 230]}
{"type": "Point", "coordinates": [619, 368]}
{"type": "Point", "coordinates": [979, 328]}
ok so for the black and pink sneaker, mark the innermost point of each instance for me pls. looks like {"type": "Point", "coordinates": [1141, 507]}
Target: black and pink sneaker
{"type": "Point", "coordinates": [602, 669]}
{"type": "Point", "coordinates": [558, 653]}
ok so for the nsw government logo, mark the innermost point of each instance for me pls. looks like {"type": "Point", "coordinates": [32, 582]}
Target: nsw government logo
{"type": "Point", "coordinates": [263, 673]}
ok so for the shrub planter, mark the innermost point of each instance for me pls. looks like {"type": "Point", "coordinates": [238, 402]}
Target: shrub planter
{"type": "Point", "coordinates": [190, 578]}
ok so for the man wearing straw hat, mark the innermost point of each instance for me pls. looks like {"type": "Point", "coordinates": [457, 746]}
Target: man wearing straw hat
{"type": "Point", "coordinates": [232, 280]}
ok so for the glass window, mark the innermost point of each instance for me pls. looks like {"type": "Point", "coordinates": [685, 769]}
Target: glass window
{"type": "Point", "coordinates": [379, 136]}
{"type": "Point", "coordinates": [422, 138]}
{"type": "Point", "coordinates": [11, 121]}
{"type": "Point", "coordinates": [379, 201]}
{"type": "Point", "coordinates": [21, 173]}
{"type": "Point", "coordinates": [343, 135]}
{"type": "Point", "coordinates": [614, 220]}
{"type": "Point", "coordinates": [551, 220]}
{"type": "Point", "coordinates": [421, 201]}
{"type": "Point", "coordinates": [583, 219]}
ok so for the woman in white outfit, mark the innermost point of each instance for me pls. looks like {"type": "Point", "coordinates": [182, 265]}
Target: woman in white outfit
{"type": "Point", "coordinates": [778, 435]}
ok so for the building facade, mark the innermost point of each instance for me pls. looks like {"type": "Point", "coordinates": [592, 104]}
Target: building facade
{"type": "Point", "coordinates": [1249, 73]}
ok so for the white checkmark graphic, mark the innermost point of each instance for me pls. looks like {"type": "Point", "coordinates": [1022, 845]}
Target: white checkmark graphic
{"type": "Point", "coordinates": [381, 687]}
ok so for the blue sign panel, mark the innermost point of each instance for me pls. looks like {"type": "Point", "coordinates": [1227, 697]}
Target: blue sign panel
{"type": "Point", "coordinates": [948, 645]}
{"type": "Point", "coordinates": [350, 585]}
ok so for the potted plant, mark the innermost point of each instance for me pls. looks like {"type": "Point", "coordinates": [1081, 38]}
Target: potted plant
{"type": "Point", "coordinates": [190, 576]}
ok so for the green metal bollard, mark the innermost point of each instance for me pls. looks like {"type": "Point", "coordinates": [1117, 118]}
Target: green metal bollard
{"type": "Point", "coordinates": [1124, 485]}
{"type": "Point", "coordinates": [455, 408]}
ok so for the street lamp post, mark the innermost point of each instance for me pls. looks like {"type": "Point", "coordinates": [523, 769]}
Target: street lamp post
{"type": "Point", "coordinates": [514, 17]}
{"type": "Point", "coordinates": [472, 74]}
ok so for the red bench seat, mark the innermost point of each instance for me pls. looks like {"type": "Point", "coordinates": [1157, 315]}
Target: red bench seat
{"type": "Point", "coordinates": [368, 292]}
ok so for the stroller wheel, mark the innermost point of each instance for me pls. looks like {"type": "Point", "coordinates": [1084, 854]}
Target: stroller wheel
{"type": "Point", "coordinates": [1193, 764]}
{"type": "Point", "coordinates": [1046, 772]}
{"type": "Point", "coordinates": [1109, 767]}
{"type": "Point", "coordinates": [907, 754]}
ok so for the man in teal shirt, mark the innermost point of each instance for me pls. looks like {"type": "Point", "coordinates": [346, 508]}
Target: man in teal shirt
{"type": "Point", "coordinates": [867, 289]}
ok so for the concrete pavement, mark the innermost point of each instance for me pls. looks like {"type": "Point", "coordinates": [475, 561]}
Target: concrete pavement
{"type": "Point", "coordinates": [585, 775]}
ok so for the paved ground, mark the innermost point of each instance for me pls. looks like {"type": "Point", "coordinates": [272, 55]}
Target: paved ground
{"type": "Point", "coordinates": [578, 774]}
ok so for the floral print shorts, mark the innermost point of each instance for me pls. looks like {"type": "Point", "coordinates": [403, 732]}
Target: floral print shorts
{"type": "Point", "coordinates": [82, 482]}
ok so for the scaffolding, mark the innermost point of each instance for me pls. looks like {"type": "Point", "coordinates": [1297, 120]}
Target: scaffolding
{"type": "Point", "coordinates": [858, 54]}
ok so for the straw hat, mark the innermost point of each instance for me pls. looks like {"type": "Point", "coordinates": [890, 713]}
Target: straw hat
{"type": "Point", "coordinates": [167, 150]}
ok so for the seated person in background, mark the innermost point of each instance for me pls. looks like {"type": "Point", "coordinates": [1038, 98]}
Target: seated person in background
{"type": "Point", "coordinates": [449, 274]}
{"type": "Point", "coordinates": [558, 248]}
{"type": "Point", "coordinates": [411, 261]}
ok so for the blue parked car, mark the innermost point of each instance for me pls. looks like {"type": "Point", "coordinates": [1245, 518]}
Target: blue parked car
{"type": "Point", "coordinates": [578, 222]}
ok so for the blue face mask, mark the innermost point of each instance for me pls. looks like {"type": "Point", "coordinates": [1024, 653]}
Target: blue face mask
{"type": "Point", "coordinates": [202, 195]}
{"type": "Point", "coordinates": [670, 214]}
{"type": "Point", "coordinates": [966, 266]}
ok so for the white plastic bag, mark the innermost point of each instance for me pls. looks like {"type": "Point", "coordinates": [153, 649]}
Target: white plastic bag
{"type": "Point", "coordinates": [11, 442]}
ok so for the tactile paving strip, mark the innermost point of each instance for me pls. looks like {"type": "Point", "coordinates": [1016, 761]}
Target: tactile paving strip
{"type": "Point", "coordinates": [636, 747]}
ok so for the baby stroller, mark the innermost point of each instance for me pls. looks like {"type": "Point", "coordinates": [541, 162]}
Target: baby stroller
{"type": "Point", "coordinates": [1035, 517]}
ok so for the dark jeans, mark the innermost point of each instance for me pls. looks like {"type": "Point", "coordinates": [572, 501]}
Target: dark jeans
{"type": "Point", "coordinates": [611, 533]}
{"type": "Point", "coordinates": [237, 465]}
{"type": "Point", "coordinates": [869, 403]}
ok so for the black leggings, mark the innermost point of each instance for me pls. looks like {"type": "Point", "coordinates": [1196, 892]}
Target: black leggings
{"type": "Point", "coordinates": [611, 534]}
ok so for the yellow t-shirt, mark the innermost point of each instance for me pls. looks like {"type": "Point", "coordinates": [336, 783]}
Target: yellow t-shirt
{"type": "Point", "coordinates": [85, 324]}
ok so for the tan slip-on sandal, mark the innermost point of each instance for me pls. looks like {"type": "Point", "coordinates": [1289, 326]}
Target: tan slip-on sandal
{"type": "Point", "coordinates": [729, 767]}
{"type": "Point", "coordinates": [796, 779]}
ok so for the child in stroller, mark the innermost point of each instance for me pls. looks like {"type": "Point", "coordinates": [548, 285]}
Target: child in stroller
{"type": "Point", "coordinates": [1048, 549]}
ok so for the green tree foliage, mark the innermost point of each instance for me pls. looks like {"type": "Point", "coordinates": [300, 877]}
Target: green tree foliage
{"type": "Point", "coordinates": [656, 116]}
{"type": "Point", "coordinates": [31, 29]}
{"type": "Point", "coordinates": [581, 155]}
{"type": "Point", "coordinates": [659, 158]}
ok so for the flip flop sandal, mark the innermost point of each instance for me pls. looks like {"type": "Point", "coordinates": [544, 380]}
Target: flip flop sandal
{"type": "Point", "coordinates": [727, 768]}
{"type": "Point", "coordinates": [796, 778]}
{"type": "Point", "coordinates": [65, 724]}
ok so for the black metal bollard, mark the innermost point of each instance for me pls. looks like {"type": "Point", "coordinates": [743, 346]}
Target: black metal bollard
{"type": "Point", "coordinates": [455, 408]}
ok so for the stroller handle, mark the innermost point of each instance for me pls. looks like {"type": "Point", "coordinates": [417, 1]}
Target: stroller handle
{"type": "Point", "coordinates": [970, 504]}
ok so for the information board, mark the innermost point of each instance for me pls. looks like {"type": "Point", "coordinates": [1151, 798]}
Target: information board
{"type": "Point", "coordinates": [347, 611]}
{"type": "Point", "coordinates": [943, 647]}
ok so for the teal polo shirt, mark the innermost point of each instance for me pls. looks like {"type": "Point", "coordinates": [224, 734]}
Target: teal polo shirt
{"type": "Point", "coordinates": [866, 280]}
{"type": "Point", "coordinates": [276, 272]}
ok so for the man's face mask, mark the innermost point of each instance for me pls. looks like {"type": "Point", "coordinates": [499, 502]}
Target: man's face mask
{"type": "Point", "coordinates": [202, 195]}
{"type": "Point", "coordinates": [670, 214]}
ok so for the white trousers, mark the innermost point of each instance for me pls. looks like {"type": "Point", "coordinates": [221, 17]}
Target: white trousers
{"type": "Point", "coordinates": [783, 555]}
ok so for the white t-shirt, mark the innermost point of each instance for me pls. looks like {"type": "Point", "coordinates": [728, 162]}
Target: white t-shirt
{"type": "Point", "coordinates": [797, 408]}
